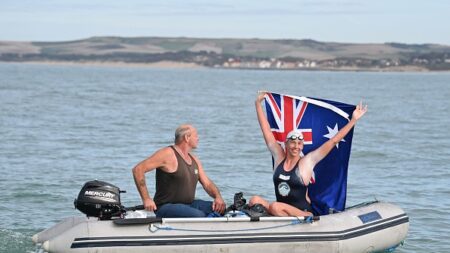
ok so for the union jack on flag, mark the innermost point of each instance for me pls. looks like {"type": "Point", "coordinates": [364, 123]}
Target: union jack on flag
{"type": "Point", "coordinates": [286, 115]}
{"type": "Point", "coordinates": [319, 120]}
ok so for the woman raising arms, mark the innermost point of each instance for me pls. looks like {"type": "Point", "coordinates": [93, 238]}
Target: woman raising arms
{"type": "Point", "coordinates": [292, 172]}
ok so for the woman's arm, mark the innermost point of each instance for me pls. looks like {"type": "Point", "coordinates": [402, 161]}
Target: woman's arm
{"type": "Point", "coordinates": [272, 144]}
{"type": "Point", "coordinates": [320, 153]}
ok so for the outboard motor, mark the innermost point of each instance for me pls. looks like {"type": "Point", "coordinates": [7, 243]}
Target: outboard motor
{"type": "Point", "coordinates": [100, 199]}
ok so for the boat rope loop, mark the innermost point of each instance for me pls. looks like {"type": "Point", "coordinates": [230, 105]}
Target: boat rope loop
{"type": "Point", "coordinates": [153, 228]}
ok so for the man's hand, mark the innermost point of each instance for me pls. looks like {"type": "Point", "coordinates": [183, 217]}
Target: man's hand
{"type": "Point", "coordinates": [218, 205]}
{"type": "Point", "coordinates": [149, 205]}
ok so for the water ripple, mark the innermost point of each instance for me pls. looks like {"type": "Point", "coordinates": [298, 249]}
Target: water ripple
{"type": "Point", "coordinates": [64, 125]}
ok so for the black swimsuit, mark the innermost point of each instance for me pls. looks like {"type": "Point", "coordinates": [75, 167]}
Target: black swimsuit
{"type": "Point", "coordinates": [289, 187]}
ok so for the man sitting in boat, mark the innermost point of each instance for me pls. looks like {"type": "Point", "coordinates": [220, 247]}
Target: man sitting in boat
{"type": "Point", "coordinates": [177, 174]}
{"type": "Point", "coordinates": [292, 172]}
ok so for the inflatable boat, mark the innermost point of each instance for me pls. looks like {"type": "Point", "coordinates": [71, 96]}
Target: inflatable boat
{"type": "Point", "coordinates": [368, 227]}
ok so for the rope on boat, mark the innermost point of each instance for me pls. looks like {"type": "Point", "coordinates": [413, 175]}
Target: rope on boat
{"type": "Point", "coordinates": [363, 204]}
{"type": "Point", "coordinates": [153, 228]}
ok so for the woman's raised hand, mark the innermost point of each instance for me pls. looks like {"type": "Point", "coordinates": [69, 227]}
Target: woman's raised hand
{"type": "Point", "coordinates": [359, 111]}
{"type": "Point", "coordinates": [260, 95]}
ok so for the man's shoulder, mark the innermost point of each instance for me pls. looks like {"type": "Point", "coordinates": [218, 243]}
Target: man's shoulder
{"type": "Point", "coordinates": [193, 155]}
{"type": "Point", "coordinates": [167, 158]}
{"type": "Point", "coordinates": [165, 152]}
{"type": "Point", "coordinates": [166, 149]}
{"type": "Point", "coordinates": [196, 159]}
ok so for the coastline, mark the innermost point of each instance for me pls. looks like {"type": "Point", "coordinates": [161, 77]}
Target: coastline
{"type": "Point", "coordinates": [161, 64]}
{"type": "Point", "coordinates": [247, 54]}
{"type": "Point", "coordinates": [186, 65]}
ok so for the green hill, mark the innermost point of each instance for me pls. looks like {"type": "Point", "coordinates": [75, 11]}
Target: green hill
{"type": "Point", "coordinates": [234, 53]}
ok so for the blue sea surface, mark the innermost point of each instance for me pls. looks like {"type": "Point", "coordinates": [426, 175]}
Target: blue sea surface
{"type": "Point", "coordinates": [61, 126]}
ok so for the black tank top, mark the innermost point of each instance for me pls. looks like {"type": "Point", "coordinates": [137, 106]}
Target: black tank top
{"type": "Point", "coordinates": [289, 188]}
{"type": "Point", "coordinates": [179, 186]}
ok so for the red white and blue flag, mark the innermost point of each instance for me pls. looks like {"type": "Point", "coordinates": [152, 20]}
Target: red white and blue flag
{"type": "Point", "coordinates": [319, 120]}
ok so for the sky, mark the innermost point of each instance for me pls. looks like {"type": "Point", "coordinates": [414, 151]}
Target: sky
{"type": "Point", "coordinates": [353, 21]}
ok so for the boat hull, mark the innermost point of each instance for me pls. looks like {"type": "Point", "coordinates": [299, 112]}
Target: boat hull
{"type": "Point", "coordinates": [367, 228]}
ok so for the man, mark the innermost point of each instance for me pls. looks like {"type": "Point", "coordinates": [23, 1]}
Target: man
{"type": "Point", "coordinates": [177, 174]}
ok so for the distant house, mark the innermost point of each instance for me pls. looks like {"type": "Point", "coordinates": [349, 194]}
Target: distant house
{"type": "Point", "coordinates": [264, 64]}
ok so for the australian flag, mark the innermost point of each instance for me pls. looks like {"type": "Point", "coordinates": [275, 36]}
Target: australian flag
{"type": "Point", "coordinates": [319, 120]}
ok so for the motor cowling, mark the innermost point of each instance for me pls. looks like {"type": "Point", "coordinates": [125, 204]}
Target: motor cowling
{"type": "Point", "coordinates": [100, 199]}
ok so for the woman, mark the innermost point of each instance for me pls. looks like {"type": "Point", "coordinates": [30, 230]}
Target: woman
{"type": "Point", "coordinates": [292, 172]}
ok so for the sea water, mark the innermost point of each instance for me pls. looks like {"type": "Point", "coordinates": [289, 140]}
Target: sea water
{"type": "Point", "coordinates": [61, 126]}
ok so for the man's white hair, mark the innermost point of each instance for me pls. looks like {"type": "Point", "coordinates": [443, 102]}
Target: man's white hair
{"type": "Point", "coordinates": [182, 131]}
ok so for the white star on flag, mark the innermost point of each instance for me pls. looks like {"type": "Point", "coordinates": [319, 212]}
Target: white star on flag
{"type": "Point", "coordinates": [332, 133]}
